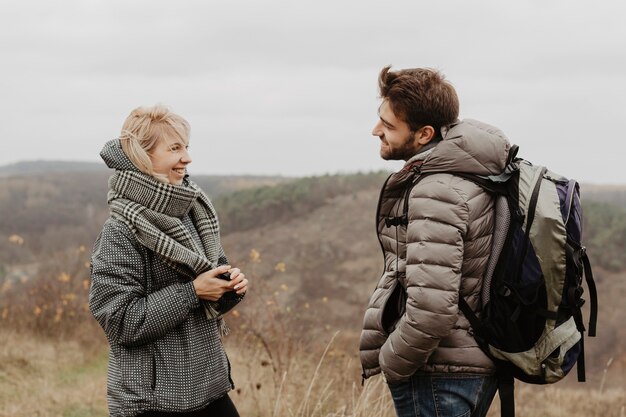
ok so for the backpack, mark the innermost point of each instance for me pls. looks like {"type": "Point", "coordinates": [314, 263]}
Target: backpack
{"type": "Point", "coordinates": [531, 323]}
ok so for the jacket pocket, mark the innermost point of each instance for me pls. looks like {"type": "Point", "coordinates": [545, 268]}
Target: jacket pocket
{"type": "Point", "coordinates": [154, 372]}
{"type": "Point", "coordinates": [230, 376]}
{"type": "Point", "coordinates": [393, 308]}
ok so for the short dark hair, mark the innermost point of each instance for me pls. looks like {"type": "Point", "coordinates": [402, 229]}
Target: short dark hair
{"type": "Point", "coordinates": [419, 96]}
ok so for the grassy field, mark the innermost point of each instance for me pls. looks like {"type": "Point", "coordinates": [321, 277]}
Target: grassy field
{"type": "Point", "coordinates": [45, 378]}
{"type": "Point", "coordinates": [40, 377]}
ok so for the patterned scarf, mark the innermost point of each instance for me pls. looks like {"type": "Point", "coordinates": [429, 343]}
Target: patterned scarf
{"type": "Point", "coordinates": [153, 211]}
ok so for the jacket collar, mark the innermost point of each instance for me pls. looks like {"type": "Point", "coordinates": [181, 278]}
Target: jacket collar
{"type": "Point", "coordinates": [468, 146]}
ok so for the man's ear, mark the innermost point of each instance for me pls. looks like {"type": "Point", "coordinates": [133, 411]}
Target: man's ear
{"type": "Point", "coordinates": [425, 134]}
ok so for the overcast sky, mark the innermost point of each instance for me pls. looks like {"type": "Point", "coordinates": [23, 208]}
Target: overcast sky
{"type": "Point", "coordinates": [289, 87]}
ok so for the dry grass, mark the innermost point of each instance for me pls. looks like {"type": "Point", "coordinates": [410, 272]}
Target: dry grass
{"type": "Point", "coordinates": [288, 359]}
{"type": "Point", "coordinates": [47, 378]}
{"type": "Point", "coordinates": [50, 378]}
{"type": "Point", "coordinates": [320, 382]}
{"type": "Point", "coordinates": [552, 401]}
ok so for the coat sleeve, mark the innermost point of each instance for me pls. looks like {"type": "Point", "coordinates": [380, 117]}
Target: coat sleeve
{"type": "Point", "coordinates": [118, 298]}
{"type": "Point", "coordinates": [438, 217]}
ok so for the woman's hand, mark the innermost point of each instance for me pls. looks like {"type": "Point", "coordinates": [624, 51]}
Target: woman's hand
{"type": "Point", "coordinates": [209, 287]}
{"type": "Point", "coordinates": [239, 281]}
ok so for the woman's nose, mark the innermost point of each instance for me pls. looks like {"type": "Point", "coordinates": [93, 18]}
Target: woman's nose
{"type": "Point", "coordinates": [186, 158]}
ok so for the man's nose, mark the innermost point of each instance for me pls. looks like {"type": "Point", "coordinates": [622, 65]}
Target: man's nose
{"type": "Point", "coordinates": [378, 129]}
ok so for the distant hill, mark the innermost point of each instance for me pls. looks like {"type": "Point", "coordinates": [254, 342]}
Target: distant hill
{"type": "Point", "coordinates": [66, 205]}
{"type": "Point", "coordinates": [614, 194]}
{"type": "Point", "coordinates": [71, 202]}
{"type": "Point", "coordinates": [27, 168]}
{"type": "Point", "coordinates": [310, 241]}
{"type": "Point", "coordinates": [93, 172]}
{"type": "Point", "coordinates": [324, 262]}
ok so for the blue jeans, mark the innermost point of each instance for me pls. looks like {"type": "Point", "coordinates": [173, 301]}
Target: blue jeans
{"type": "Point", "coordinates": [444, 395]}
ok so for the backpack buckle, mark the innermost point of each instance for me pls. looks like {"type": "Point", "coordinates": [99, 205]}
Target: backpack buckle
{"type": "Point", "coordinates": [574, 296]}
{"type": "Point", "coordinates": [504, 291]}
{"type": "Point", "coordinates": [397, 221]}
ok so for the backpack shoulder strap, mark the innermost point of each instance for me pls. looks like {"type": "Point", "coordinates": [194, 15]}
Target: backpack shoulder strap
{"type": "Point", "coordinates": [506, 383]}
{"type": "Point", "coordinates": [506, 392]}
{"type": "Point", "coordinates": [471, 317]}
{"type": "Point", "coordinates": [593, 294]}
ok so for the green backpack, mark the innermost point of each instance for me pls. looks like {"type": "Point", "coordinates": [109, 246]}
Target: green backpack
{"type": "Point", "coordinates": [531, 323]}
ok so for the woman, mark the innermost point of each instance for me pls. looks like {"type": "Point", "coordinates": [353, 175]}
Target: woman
{"type": "Point", "coordinates": [159, 284]}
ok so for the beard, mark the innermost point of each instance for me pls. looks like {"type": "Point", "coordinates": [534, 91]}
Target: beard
{"type": "Point", "coordinates": [404, 152]}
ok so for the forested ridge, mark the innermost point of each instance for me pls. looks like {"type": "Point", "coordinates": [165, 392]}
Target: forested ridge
{"type": "Point", "coordinates": [57, 209]}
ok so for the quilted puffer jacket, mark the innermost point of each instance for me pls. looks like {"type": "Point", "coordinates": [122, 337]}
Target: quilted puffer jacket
{"type": "Point", "coordinates": [413, 322]}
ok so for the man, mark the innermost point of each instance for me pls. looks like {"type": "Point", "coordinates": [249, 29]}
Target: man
{"type": "Point", "coordinates": [435, 231]}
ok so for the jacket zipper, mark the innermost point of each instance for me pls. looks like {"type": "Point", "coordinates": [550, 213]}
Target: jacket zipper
{"type": "Point", "coordinates": [380, 201]}
{"type": "Point", "coordinates": [380, 242]}
{"type": "Point", "coordinates": [417, 172]}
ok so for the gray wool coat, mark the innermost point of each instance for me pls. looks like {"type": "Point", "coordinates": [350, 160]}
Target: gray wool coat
{"type": "Point", "coordinates": [413, 322]}
{"type": "Point", "coordinates": [165, 353]}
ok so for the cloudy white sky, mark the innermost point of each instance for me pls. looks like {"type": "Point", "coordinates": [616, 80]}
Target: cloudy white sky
{"type": "Point", "coordinates": [289, 87]}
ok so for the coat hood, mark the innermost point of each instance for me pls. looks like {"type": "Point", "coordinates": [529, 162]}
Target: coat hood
{"type": "Point", "coordinates": [115, 158]}
{"type": "Point", "coordinates": [470, 147]}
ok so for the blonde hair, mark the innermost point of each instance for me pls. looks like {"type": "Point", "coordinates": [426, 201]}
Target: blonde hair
{"type": "Point", "coordinates": [144, 128]}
